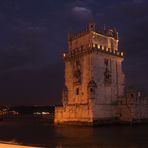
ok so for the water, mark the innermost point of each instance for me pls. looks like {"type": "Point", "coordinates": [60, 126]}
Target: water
{"type": "Point", "coordinates": [45, 135]}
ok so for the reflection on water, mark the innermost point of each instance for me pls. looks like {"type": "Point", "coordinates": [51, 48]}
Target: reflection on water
{"type": "Point", "coordinates": [38, 135]}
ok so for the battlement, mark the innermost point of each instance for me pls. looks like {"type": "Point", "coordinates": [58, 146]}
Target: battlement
{"type": "Point", "coordinates": [94, 48]}
{"type": "Point", "coordinates": [107, 38]}
{"type": "Point", "coordinates": [72, 36]}
{"type": "Point", "coordinates": [108, 32]}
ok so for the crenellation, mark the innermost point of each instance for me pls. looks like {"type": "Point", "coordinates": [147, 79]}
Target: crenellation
{"type": "Point", "coordinates": [80, 51]}
{"type": "Point", "coordinates": [73, 36]}
{"type": "Point", "coordinates": [107, 38]}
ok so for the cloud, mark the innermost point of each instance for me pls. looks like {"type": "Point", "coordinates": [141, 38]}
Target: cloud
{"type": "Point", "coordinates": [81, 12]}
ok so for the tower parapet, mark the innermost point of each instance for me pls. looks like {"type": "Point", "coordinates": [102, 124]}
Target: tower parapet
{"type": "Point", "coordinates": [95, 48]}
{"type": "Point", "coordinates": [107, 38]}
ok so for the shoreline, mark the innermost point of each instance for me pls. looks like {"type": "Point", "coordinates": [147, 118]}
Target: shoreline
{"type": "Point", "coordinates": [4, 144]}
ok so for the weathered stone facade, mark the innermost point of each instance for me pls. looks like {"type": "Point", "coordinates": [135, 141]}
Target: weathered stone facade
{"type": "Point", "coordinates": [134, 107]}
{"type": "Point", "coordinates": [94, 80]}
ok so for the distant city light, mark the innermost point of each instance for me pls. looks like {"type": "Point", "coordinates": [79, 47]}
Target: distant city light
{"type": "Point", "coordinates": [41, 113]}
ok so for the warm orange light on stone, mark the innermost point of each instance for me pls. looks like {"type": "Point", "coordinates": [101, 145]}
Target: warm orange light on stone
{"type": "Point", "coordinates": [93, 79]}
{"type": "Point", "coordinates": [94, 82]}
{"type": "Point", "coordinates": [121, 53]}
{"type": "Point", "coordinates": [14, 146]}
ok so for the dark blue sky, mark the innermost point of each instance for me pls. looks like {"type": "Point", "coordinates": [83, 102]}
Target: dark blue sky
{"type": "Point", "coordinates": [33, 36]}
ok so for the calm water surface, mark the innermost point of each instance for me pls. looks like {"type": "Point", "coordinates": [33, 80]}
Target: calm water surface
{"type": "Point", "coordinates": [75, 137]}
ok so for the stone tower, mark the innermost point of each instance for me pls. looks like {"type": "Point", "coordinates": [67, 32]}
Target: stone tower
{"type": "Point", "coordinates": [94, 80]}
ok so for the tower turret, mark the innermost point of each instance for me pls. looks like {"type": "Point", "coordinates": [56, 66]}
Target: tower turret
{"type": "Point", "coordinates": [91, 25]}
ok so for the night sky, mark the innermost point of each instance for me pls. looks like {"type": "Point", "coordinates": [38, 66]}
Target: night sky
{"type": "Point", "coordinates": [33, 36]}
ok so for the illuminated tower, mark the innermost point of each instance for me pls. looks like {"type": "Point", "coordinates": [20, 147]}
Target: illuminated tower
{"type": "Point", "coordinates": [94, 80]}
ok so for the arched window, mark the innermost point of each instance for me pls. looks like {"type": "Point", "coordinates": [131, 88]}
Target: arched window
{"type": "Point", "coordinates": [77, 91]}
{"type": "Point", "coordinates": [132, 95]}
{"type": "Point", "coordinates": [92, 89]}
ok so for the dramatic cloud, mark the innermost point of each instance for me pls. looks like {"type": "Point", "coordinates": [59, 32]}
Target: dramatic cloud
{"type": "Point", "coordinates": [81, 12]}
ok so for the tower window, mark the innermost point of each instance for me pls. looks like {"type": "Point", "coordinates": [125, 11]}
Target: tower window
{"type": "Point", "coordinates": [77, 91]}
{"type": "Point", "coordinates": [132, 95]}
{"type": "Point", "coordinates": [91, 89]}
{"type": "Point", "coordinates": [106, 61]}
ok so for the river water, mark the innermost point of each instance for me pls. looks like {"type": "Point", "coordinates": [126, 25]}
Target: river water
{"type": "Point", "coordinates": [45, 135]}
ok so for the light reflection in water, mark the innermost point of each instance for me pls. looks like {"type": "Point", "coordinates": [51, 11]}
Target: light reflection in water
{"type": "Point", "coordinates": [39, 135]}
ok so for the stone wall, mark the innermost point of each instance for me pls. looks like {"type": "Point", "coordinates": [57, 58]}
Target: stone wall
{"type": "Point", "coordinates": [104, 41]}
{"type": "Point", "coordinates": [73, 113]}
{"type": "Point", "coordinates": [78, 107]}
{"type": "Point", "coordinates": [107, 95]}
{"type": "Point", "coordinates": [104, 111]}
{"type": "Point", "coordinates": [73, 98]}
{"type": "Point", "coordinates": [134, 108]}
{"type": "Point", "coordinates": [80, 42]}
